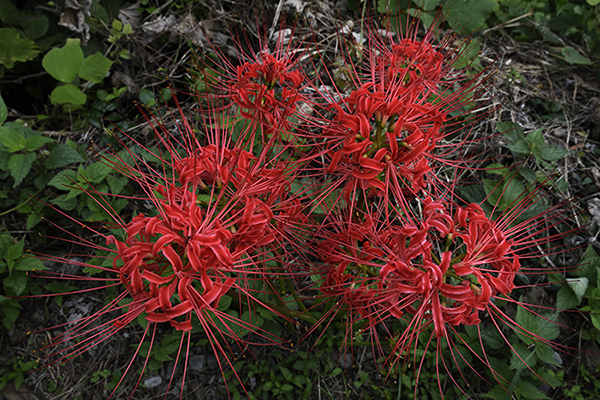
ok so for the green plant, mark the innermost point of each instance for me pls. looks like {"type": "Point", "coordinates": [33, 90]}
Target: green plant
{"type": "Point", "coordinates": [68, 66]}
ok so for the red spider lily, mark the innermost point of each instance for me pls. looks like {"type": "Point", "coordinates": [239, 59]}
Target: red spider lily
{"type": "Point", "coordinates": [437, 266]}
{"type": "Point", "coordinates": [218, 212]}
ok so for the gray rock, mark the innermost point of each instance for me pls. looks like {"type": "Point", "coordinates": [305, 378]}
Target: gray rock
{"type": "Point", "coordinates": [153, 382]}
{"type": "Point", "coordinates": [197, 363]}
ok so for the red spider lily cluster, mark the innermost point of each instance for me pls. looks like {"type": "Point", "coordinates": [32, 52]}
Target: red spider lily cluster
{"type": "Point", "coordinates": [285, 183]}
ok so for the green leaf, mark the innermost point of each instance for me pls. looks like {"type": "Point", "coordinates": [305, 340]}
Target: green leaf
{"type": "Point", "coordinates": [553, 153]}
{"type": "Point", "coordinates": [97, 172]}
{"type": "Point", "coordinates": [497, 393]}
{"type": "Point", "coordinates": [299, 380]}
{"type": "Point", "coordinates": [15, 283]}
{"type": "Point", "coordinates": [64, 180]}
{"type": "Point", "coordinates": [67, 94]}
{"type": "Point", "coordinates": [287, 374]}
{"type": "Point", "coordinates": [528, 174]}
{"type": "Point", "coordinates": [15, 251]}
{"type": "Point", "coordinates": [573, 56]}
{"type": "Point", "coordinates": [147, 97]}
{"type": "Point", "coordinates": [33, 219]}
{"type": "Point", "coordinates": [35, 142]}
{"type": "Point", "coordinates": [593, 2]}
{"type": "Point", "coordinates": [519, 147]}
{"type": "Point", "coordinates": [590, 264]}
{"type": "Point", "coordinates": [116, 183]}
{"type": "Point", "coordinates": [64, 63]}
{"type": "Point", "coordinates": [36, 27]}
{"type": "Point", "coordinates": [427, 5]}
{"type": "Point", "coordinates": [512, 191]}
{"type": "Point", "coordinates": [579, 286]}
{"type": "Point", "coordinates": [127, 30]}
{"type": "Point", "coordinates": [29, 263]}
{"type": "Point", "coordinates": [19, 166]}
{"type": "Point", "coordinates": [545, 353]}
{"type": "Point", "coordinates": [9, 13]}
{"type": "Point", "coordinates": [62, 155]}
{"type": "Point", "coordinates": [529, 391]}
{"type": "Point", "coordinates": [11, 139]}
{"type": "Point", "coordinates": [566, 299]}
{"type": "Point", "coordinates": [14, 48]}
{"type": "Point", "coordinates": [467, 15]}
{"type": "Point", "coordinates": [3, 111]}
{"type": "Point", "coordinates": [94, 68]}
{"type": "Point", "coordinates": [536, 139]}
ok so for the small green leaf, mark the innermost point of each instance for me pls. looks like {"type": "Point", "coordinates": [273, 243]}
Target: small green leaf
{"type": "Point", "coordinates": [14, 48]}
{"type": "Point", "coordinates": [62, 155]}
{"type": "Point", "coordinates": [336, 371]}
{"type": "Point", "coordinates": [68, 94]}
{"type": "Point", "coordinates": [287, 374]}
{"type": "Point", "coordinates": [528, 174]}
{"type": "Point", "coordinates": [94, 68]}
{"type": "Point", "coordinates": [573, 56]}
{"type": "Point", "coordinates": [147, 97]}
{"type": "Point", "coordinates": [536, 139]}
{"type": "Point", "coordinates": [19, 166]}
{"type": "Point", "coordinates": [127, 30]}
{"type": "Point", "coordinates": [117, 25]}
{"type": "Point", "coordinates": [593, 2]}
{"type": "Point", "coordinates": [64, 63]}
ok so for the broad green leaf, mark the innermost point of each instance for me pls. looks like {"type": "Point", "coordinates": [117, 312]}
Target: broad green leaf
{"type": "Point", "coordinates": [15, 283]}
{"type": "Point", "coordinates": [467, 15]}
{"type": "Point", "coordinates": [36, 27]}
{"type": "Point", "coordinates": [15, 251]}
{"type": "Point", "coordinates": [547, 327]}
{"type": "Point", "coordinates": [62, 155]}
{"type": "Point", "coordinates": [33, 219]}
{"type": "Point", "coordinates": [19, 166]}
{"type": "Point", "coordinates": [473, 193]}
{"type": "Point", "coordinates": [64, 180]}
{"type": "Point", "coordinates": [3, 111]}
{"type": "Point", "coordinates": [513, 190]}
{"type": "Point", "coordinates": [529, 391]}
{"type": "Point", "coordinates": [94, 68]}
{"type": "Point", "coordinates": [536, 139]}
{"type": "Point", "coordinates": [116, 183]}
{"type": "Point", "coordinates": [35, 142]}
{"type": "Point", "coordinates": [528, 174]}
{"type": "Point", "coordinates": [553, 153]}
{"type": "Point", "coordinates": [427, 5]}
{"type": "Point", "coordinates": [519, 147]}
{"type": "Point", "coordinates": [593, 2]}
{"type": "Point", "coordinates": [14, 48]}
{"type": "Point", "coordinates": [68, 94]}
{"type": "Point", "coordinates": [497, 393]}
{"type": "Point", "coordinates": [545, 353]}
{"type": "Point", "coordinates": [579, 286]}
{"type": "Point", "coordinates": [566, 299]}
{"type": "Point", "coordinates": [573, 56]}
{"type": "Point", "coordinates": [287, 374]}
{"type": "Point", "coordinates": [29, 264]}
{"type": "Point", "coordinates": [65, 202]}
{"type": "Point", "coordinates": [64, 63]}
{"type": "Point", "coordinates": [11, 139]}
{"type": "Point", "coordinates": [97, 172]}
{"type": "Point", "coordinates": [9, 13]}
